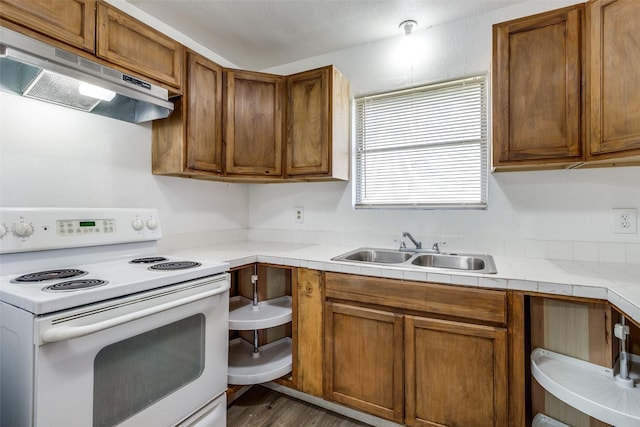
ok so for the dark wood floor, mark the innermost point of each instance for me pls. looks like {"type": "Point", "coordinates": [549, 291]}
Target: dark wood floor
{"type": "Point", "coordinates": [262, 407]}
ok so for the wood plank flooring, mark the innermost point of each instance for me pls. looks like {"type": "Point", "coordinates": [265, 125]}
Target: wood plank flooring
{"type": "Point", "coordinates": [262, 407]}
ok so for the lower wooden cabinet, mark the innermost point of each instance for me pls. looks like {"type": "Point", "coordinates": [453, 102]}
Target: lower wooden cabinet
{"type": "Point", "coordinates": [455, 373]}
{"type": "Point", "coordinates": [363, 359]}
{"type": "Point", "coordinates": [402, 358]}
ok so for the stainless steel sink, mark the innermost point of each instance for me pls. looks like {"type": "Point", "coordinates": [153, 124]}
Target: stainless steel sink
{"type": "Point", "coordinates": [482, 263]}
{"type": "Point", "coordinates": [440, 261]}
{"type": "Point", "coordinates": [377, 256]}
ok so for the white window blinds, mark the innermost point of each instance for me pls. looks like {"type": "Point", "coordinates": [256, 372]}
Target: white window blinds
{"type": "Point", "coordinates": [424, 147]}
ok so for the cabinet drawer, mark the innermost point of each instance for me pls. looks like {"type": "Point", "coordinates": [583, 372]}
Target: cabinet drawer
{"type": "Point", "coordinates": [460, 302]}
{"type": "Point", "coordinates": [129, 43]}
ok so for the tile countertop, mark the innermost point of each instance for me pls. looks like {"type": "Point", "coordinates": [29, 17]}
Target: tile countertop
{"type": "Point", "coordinates": [617, 283]}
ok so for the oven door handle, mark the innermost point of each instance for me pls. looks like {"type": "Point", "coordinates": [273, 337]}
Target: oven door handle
{"type": "Point", "coordinates": [64, 333]}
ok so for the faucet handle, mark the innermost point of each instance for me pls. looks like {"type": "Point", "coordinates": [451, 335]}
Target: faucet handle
{"type": "Point", "coordinates": [403, 245]}
{"type": "Point", "coordinates": [436, 246]}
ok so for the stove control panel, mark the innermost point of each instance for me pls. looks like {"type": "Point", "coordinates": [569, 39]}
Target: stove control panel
{"type": "Point", "coordinates": [75, 227]}
{"type": "Point", "coordinates": [33, 229]}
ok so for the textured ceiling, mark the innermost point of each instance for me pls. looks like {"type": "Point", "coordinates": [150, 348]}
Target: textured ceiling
{"type": "Point", "coordinates": [259, 34]}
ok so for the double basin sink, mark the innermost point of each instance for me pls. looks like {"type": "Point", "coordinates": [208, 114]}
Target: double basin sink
{"type": "Point", "coordinates": [446, 261]}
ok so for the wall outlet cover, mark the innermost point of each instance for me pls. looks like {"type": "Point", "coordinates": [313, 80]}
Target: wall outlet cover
{"type": "Point", "coordinates": [625, 221]}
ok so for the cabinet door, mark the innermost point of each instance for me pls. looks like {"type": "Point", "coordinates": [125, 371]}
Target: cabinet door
{"type": "Point", "coordinates": [253, 115]}
{"type": "Point", "coordinates": [363, 359]}
{"type": "Point", "coordinates": [613, 79]}
{"type": "Point", "coordinates": [308, 122]}
{"type": "Point", "coordinates": [318, 125]}
{"type": "Point", "coordinates": [537, 89]}
{"type": "Point", "coordinates": [129, 43]}
{"type": "Point", "coordinates": [204, 114]}
{"type": "Point", "coordinates": [70, 21]}
{"type": "Point", "coordinates": [455, 373]}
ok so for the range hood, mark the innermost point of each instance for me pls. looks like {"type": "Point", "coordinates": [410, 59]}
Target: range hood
{"type": "Point", "coordinates": [34, 69]}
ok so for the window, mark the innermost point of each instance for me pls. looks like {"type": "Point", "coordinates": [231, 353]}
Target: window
{"type": "Point", "coordinates": [424, 147]}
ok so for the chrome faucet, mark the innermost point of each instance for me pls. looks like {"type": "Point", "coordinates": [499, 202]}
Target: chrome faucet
{"type": "Point", "coordinates": [407, 234]}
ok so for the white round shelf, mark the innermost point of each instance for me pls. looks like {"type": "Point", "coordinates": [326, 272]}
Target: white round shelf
{"type": "Point", "coordinates": [541, 420]}
{"type": "Point", "coordinates": [273, 362]}
{"type": "Point", "coordinates": [588, 387]}
{"type": "Point", "coordinates": [243, 316]}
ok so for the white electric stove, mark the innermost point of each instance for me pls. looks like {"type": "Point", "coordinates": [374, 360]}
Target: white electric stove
{"type": "Point", "coordinates": [90, 310]}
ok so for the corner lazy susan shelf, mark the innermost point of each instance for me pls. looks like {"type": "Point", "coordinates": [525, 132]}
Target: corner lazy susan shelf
{"type": "Point", "coordinates": [593, 389]}
{"type": "Point", "coordinates": [255, 364]}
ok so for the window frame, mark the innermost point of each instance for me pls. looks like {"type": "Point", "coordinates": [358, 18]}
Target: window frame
{"type": "Point", "coordinates": [482, 143]}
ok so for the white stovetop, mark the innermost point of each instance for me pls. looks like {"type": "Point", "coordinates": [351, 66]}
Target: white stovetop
{"type": "Point", "coordinates": [617, 283]}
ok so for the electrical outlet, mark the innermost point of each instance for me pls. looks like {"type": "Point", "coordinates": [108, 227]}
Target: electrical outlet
{"type": "Point", "coordinates": [299, 214]}
{"type": "Point", "coordinates": [625, 221]}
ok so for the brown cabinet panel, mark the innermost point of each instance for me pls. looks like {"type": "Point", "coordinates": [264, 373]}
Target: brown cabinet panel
{"type": "Point", "coordinates": [128, 43]}
{"type": "Point", "coordinates": [364, 359]}
{"type": "Point", "coordinates": [460, 302]}
{"type": "Point", "coordinates": [318, 115]}
{"type": "Point", "coordinates": [254, 126]}
{"type": "Point", "coordinates": [308, 116]}
{"type": "Point", "coordinates": [613, 78]}
{"type": "Point", "coordinates": [456, 373]}
{"type": "Point", "coordinates": [537, 81]}
{"type": "Point", "coordinates": [204, 121]}
{"type": "Point", "coordinates": [453, 373]}
{"type": "Point", "coordinates": [70, 21]}
{"type": "Point", "coordinates": [308, 332]}
{"type": "Point", "coordinates": [189, 141]}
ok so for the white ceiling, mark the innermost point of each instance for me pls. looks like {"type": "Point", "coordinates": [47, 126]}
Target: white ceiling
{"type": "Point", "coordinates": [259, 34]}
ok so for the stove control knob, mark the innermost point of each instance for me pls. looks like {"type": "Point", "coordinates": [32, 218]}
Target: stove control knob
{"type": "Point", "coordinates": [3, 230]}
{"type": "Point", "coordinates": [152, 224]}
{"type": "Point", "coordinates": [137, 224]}
{"type": "Point", "coordinates": [22, 229]}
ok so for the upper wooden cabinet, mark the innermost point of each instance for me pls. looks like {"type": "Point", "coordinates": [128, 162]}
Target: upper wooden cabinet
{"type": "Point", "coordinates": [537, 89]}
{"type": "Point", "coordinates": [613, 79]}
{"type": "Point", "coordinates": [127, 42]}
{"type": "Point", "coordinates": [100, 32]}
{"type": "Point", "coordinates": [72, 21]}
{"type": "Point", "coordinates": [566, 88]}
{"type": "Point", "coordinates": [189, 141]}
{"type": "Point", "coordinates": [268, 121]}
{"type": "Point", "coordinates": [318, 125]}
{"type": "Point", "coordinates": [253, 124]}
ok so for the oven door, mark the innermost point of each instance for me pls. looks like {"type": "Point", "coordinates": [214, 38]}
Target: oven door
{"type": "Point", "coordinates": [149, 359]}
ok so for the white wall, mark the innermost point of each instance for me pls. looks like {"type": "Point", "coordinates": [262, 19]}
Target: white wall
{"type": "Point", "coordinates": [559, 214]}
{"type": "Point", "coordinates": [53, 156]}
{"type": "Point", "coordinates": [58, 157]}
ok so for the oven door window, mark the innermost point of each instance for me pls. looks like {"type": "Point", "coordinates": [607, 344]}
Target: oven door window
{"type": "Point", "coordinates": [132, 374]}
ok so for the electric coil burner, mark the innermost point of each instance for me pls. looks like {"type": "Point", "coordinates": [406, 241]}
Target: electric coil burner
{"type": "Point", "coordinates": [174, 265]}
{"type": "Point", "coordinates": [148, 260]}
{"type": "Point", "coordinates": [43, 276]}
{"type": "Point", "coordinates": [74, 285]}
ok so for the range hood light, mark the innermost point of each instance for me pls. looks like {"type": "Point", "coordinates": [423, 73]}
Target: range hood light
{"type": "Point", "coordinates": [96, 92]}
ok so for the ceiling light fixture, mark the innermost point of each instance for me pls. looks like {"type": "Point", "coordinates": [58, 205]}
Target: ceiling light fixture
{"type": "Point", "coordinates": [407, 26]}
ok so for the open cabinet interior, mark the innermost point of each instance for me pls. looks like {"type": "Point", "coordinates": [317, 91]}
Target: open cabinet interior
{"type": "Point", "coordinates": [260, 325]}
{"type": "Point", "coordinates": [563, 334]}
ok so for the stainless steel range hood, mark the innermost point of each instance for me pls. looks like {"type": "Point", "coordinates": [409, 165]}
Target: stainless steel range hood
{"type": "Point", "coordinates": [34, 69]}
